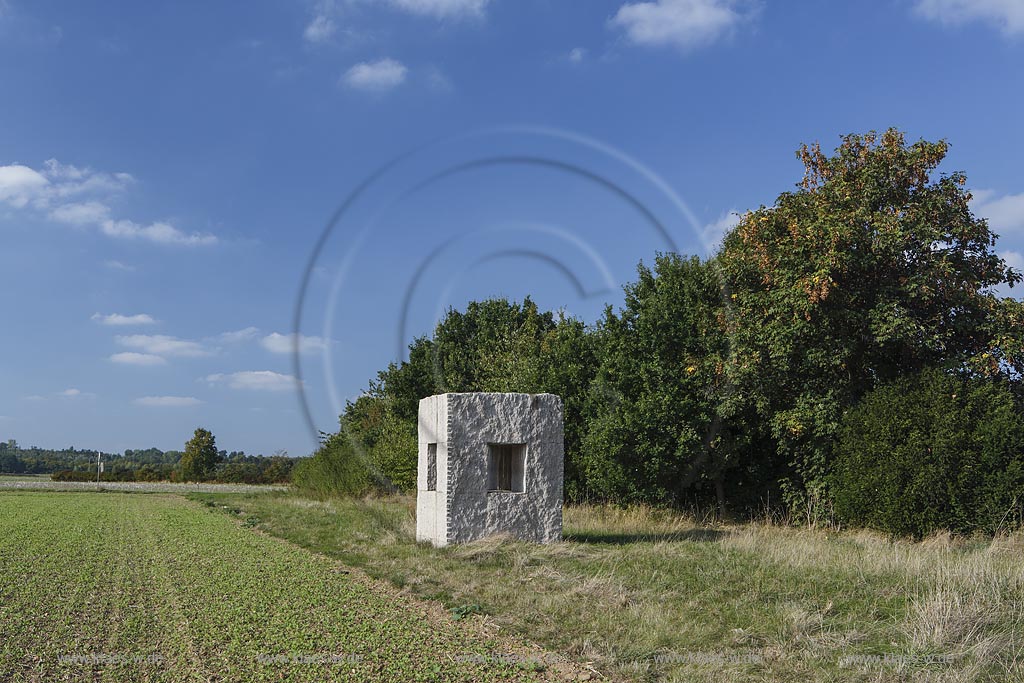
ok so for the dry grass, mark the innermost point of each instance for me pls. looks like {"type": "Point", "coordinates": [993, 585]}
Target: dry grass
{"type": "Point", "coordinates": [646, 594]}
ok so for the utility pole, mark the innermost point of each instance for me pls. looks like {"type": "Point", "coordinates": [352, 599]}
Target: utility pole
{"type": "Point", "coordinates": [99, 466]}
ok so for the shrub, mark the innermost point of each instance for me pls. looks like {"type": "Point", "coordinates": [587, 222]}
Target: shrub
{"type": "Point", "coordinates": [336, 469]}
{"type": "Point", "coordinates": [932, 451]}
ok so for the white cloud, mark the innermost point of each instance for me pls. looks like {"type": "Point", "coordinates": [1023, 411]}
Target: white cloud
{"type": "Point", "coordinates": [320, 29]}
{"type": "Point", "coordinates": [1007, 15]}
{"type": "Point", "coordinates": [117, 265]}
{"type": "Point", "coordinates": [68, 180]}
{"type": "Point", "coordinates": [81, 213]}
{"type": "Point", "coordinates": [57, 189]}
{"type": "Point", "coordinates": [75, 393]}
{"type": "Point", "coordinates": [577, 55]}
{"type": "Point", "coordinates": [286, 343]}
{"type": "Point", "coordinates": [135, 358]}
{"type": "Point", "coordinates": [161, 233]}
{"type": "Point", "coordinates": [714, 232]}
{"type": "Point", "coordinates": [1005, 214]}
{"type": "Point", "coordinates": [168, 401]}
{"type": "Point", "coordinates": [162, 345]}
{"type": "Point", "coordinates": [238, 335]}
{"type": "Point", "coordinates": [438, 80]}
{"type": "Point", "coordinates": [442, 9]}
{"type": "Point", "coordinates": [255, 380]}
{"type": "Point", "coordinates": [381, 75]}
{"type": "Point", "coordinates": [121, 320]}
{"type": "Point", "coordinates": [1014, 259]}
{"type": "Point", "coordinates": [20, 184]}
{"type": "Point", "coordinates": [685, 24]}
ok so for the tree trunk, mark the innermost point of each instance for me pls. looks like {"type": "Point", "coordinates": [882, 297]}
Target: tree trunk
{"type": "Point", "coordinates": [720, 495]}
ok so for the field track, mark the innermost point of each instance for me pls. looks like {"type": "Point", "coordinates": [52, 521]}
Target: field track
{"type": "Point", "coordinates": [129, 587]}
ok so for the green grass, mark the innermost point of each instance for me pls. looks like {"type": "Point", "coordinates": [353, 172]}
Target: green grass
{"type": "Point", "coordinates": [646, 595]}
{"type": "Point", "coordinates": [121, 587]}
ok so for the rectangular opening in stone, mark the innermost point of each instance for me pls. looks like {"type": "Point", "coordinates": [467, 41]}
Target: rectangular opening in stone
{"type": "Point", "coordinates": [506, 465]}
{"type": "Point", "coordinates": [431, 466]}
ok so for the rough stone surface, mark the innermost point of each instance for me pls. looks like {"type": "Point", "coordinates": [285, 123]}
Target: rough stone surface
{"type": "Point", "coordinates": [462, 509]}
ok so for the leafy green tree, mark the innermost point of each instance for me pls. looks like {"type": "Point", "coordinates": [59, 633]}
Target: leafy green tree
{"type": "Point", "coordinates": [659, 433]}
{"type": "Point", "coordinates": [495, 345]}
{"type": "Point", "coordinates": [871, 269]}
{"type": "Point", "coordinates": [200, 457]}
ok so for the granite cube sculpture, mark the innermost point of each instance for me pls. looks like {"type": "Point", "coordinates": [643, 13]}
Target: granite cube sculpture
{"type": "Point", "coordinates": [489, 463]}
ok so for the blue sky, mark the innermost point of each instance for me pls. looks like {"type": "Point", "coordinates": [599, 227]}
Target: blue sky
{"type": "Point", "coordinates": [166, 170]}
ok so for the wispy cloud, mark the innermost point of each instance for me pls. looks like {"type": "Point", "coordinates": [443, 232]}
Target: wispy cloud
{"type": "Point", "coordinates": [289, 343]}
{"type": "Point", "coordinates": [577, 55]}
{"type": "Point", "coordinates": [1005, 213]}
{"type": "Point", "coordinates": [443, 9]}
{"type": "Point", "coordinates": [320, 29]}
{"type": "Point", "coordinates": [135, 358]}
{"type": "Point", "coordinates": [684, 24]}
{"type": "Point", "coordinates": [121, 320]}
{"type": "Point", "coordinates": [1014, 259]}
{"type": "Point", "coordinates": [238, 335]}
{"type": "Point", "coordinates": [168, 401]}
{"type": "Point", "coordinates": [381, 75]}
{"type": "Point", "coordinates": [255, 380]}
{"type": "Point", "coordinates": [117, 265]}
{"type": "Point", "coordinates": [162, 345]}
{"type": "Point", "coordinates": [160, 233]}
{"type": "Point", "coordinates": [81, 213]}
{"type": "Point", "coordinates": [1006, 15]}
{"type": "Point", "coordinates": [72, 392]}
{"type": "Point", "coordinates": [80, 196]}
{"type": "Point", "coordinates": [714, 232]}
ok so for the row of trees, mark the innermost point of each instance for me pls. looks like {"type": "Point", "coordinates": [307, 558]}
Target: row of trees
{"type": "Point", "coordinates": [34, 460]}
{"type": "Point", "coordinates": [200, 461]}
{"type": "Point", "coordinates": [736, 379]}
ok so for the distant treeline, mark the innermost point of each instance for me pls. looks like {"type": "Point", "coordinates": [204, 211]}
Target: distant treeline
{"type": "Point", "coordinates": [151, 464]}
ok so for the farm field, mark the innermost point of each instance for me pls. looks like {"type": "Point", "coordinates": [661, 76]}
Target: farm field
{"type": "Point", "coordinates": [653, 596]}
{"type": "Point", "coordinates": [128, 587]}
{"type": "Point", "coordinates": [44, 483]}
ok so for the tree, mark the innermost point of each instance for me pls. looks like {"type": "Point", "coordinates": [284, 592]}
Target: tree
{"type": "Point", "coordinates": [662, 429]}
{"type": "Point", "coordinates": [870, 270]}
{"type": "Point", "coordinates": [200, 456]}
{"type": "Point", "coordinates": [495, 345]}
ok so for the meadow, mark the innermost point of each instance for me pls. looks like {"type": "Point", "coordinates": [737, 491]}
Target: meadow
{"type": "Point", "coordinates": [647, 595]}
{"type": "Point", "coordinates": [152, 587]}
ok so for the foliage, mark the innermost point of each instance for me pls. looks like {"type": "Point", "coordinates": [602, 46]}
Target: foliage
{"type": "Point", "coordinates": [930, 452]}
{"type": "Point", "coordinates": [495, 345]}
{"type": "Point", "coordinates": [660, 431]}
{"type": "Point", "coordinates": [872, 269]}
{"type": "Point", "coordinates": [336, 469]}
{"type": "Point", "coordinates": [728, 379]}
{"type": "Point", "coordinates": [200, 456]}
